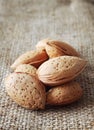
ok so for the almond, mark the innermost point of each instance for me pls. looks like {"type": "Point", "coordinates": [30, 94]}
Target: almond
{"type": "Point", "coordinates": [41, 44]}
{"type": "Point", "coordinates": [33, 57]}
{"type": "Point", "coordinates": [59, 70]}
{"type": "Point", "coordinates": [56, 48]}
{"type": "Point", "coordinates": [26, 68]}
{"type": "Point", "coordinates": [26, 90]}
{"type": "Point", "coordinates": [64, 94]}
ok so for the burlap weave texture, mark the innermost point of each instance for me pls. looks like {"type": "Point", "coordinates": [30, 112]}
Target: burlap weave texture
{"type": "Point", "coordinates": [22, 24]}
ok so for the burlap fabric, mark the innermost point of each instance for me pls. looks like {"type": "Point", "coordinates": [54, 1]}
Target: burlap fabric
{"type": "Point", "coordinates": [22, 24]}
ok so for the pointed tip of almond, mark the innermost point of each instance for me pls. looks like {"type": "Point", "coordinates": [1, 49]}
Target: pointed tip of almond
{"type": "Point", "coordinates": [84, 62]}
{"type": "Point", "coordinates": [13, 67]}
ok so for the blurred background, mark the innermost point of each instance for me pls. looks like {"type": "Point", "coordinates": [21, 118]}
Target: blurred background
{"type": "Point", "coordinates": [22, 24]}
{"type": "Point", "coordinates": [32, 20]}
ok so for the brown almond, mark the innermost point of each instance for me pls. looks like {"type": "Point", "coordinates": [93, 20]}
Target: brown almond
{"type": "Point", "coordinates": [56, 48]}
{"type": "Point", "coordinates": [64, 94]}
{"type": "Point", "coordinates": [26, 68]}
{"type": "Point", "coordinates": [26, 90]}
{"type": "Point", "coordinates": [33, 57]}
{"type": "Point", "coordinates": [59, 70]}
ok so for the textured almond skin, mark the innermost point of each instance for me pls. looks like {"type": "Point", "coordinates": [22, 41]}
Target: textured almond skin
{"type": "Point", "coordinates": [26, 68]}
{"type": "Point", "coordinates": [33, 57]}
{"type": "Point", "coordinates": [42, 44]}
{"type": "Point", "coordinates": [64, 94]}
{"type": "Point", "coordinates": [26, 90]}
{"type": "Point", "coordinates": [59, 70]}
{"type": "Point", "coordinates": [56, 48]}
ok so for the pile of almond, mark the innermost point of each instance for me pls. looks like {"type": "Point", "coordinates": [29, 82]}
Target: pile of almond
{"type": "Point", "coordinates": [45, 76]}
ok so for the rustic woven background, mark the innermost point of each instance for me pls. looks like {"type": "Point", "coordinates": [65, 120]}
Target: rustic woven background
{"type": "Point", "coordinates": [22, 24]}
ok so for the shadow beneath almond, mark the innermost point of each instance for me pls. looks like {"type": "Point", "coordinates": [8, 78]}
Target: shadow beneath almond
{"type": "Point", "coordinates": [76, 106]}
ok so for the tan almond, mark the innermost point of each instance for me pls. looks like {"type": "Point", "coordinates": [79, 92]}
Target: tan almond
{"type": "Point", "coordinates": [56, 48]}
{"type": "Point", "coordinates": [33, 57]}
{"type": "Point", "coordinates": [26, 68]}
{"type": "Point", "coordinates": [26, 90]}
{"type": "Point", "coordinates": [64, 94]}
{"type": "Point", "coordinates": [42, 44]}
{"type": "Point", "coordinates": [59, 70]}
